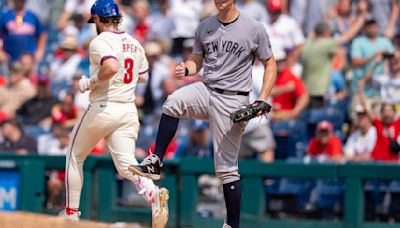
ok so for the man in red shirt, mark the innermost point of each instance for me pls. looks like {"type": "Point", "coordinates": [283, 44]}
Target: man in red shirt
{"type": "Point", "coordinates": [387, 128]}
{"type": "Point", "coordinates": [289, 94]}
{"type": "Point", "coordinates": [325, 145]}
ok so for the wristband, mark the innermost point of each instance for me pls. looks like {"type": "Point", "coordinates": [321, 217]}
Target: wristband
{"type": "Point", "coordinates": [186, 71]}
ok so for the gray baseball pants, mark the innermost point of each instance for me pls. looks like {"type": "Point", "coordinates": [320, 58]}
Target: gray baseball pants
{"type": "Point", "coordinates": [198, 101]}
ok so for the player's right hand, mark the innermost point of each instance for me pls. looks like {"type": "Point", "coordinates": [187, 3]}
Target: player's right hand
{"type": "Point", "coordinates": [85, 84]}
{"type": "Point", "coordinates": [180, 71]}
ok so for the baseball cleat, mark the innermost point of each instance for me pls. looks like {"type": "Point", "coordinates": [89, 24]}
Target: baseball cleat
{"type": "Point", "coordinates": [73, 217]}
{"type": "Point", "coordinates": [159, 208]}
{"type": "Point", "coordinates": [150, 167]}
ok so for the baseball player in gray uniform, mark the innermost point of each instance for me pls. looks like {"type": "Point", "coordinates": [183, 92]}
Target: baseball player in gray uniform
{"type": "Point", "coordinates": [225, 46]}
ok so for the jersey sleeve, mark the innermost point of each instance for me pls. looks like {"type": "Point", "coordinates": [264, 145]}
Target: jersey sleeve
{"type": "Point", "coordinates": [101, 50]}
{"type": "Point", "coordinates": [198, 47]}
{"type": "Point", "coordinates": [263, 50]}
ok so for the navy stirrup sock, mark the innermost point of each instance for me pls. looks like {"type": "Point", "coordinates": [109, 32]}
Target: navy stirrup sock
{"type": "Point", "coordinates": [166, 132]}
{"type": "Point", "coordinates": [233, 195]}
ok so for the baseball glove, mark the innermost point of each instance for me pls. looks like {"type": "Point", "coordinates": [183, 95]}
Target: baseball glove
{"type": "Point", "coordinates": [250, 111]}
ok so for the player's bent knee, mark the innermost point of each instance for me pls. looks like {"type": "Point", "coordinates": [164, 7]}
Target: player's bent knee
{"type": "Point", "coordinates": [228, 177]}
{"type": "Point", "coordinates": [173, 106]}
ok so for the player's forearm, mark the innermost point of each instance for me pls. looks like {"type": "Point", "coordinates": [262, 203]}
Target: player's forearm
{"type": "Point", "coordinates": [269, 78]}
{"type": "Point", "coordinates": [108, 69]}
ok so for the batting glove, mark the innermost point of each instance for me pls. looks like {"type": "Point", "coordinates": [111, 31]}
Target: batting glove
{"type": "Point", "coordinates": [86, 84]}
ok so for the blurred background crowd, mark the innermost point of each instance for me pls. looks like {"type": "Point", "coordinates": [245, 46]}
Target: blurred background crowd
{"type": "Point", "coordinates": [336, 98]}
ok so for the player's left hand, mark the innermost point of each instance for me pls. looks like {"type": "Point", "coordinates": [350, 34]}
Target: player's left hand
{"type": "Point", "coordinates": [259, 107]}
{"type": "Point", "coordinates": [85, 84]}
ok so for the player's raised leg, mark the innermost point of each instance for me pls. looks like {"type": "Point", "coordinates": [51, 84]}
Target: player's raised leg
{"type": "Point", "coordinates": [83, 139]}
{"type": "Point", "coordinates": [190, 101]}
{"type": "Point", "coordinates": [122, 146]}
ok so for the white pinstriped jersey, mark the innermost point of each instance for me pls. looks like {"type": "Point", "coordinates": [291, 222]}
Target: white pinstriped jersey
{"type": "Point", "coordinates": [132, 60]}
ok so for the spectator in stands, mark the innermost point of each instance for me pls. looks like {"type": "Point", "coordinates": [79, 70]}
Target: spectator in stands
{"type": "Point", "coordinates": [55, 143]}
{"type": "Point", "coordinates": [74, 6]}
{"type": "Point", "coordinates": [18, 90]}
{"type": "Point", "coordinates": [366, 51]}
{"type": "Point", "coordinates": [41, 8]}
{"type": "Point", "coordinates": [308, 13]}
{"type": "Point", "coordinates": [141, 13]}
{"type": "Point", "coordinates": [258, 140]}
{"type": "Point", "coordinates": [284, 31]}
{"type": "Point", "coordinates": [186, 15]}
{"type": "Point", "coordinates": [55, 186]}
{"type": "Point", "coordinates": [29, 67]}
{"type": "Point", "coordinates": [317, 57]}
{"type": "Point", "coordinates": [386, 13]}
{"type": "Point", "coordinates": [387, 128]}
{"type": "Point", "coordinates": [254, 9]}
{"type": "Point", "coordinates": [199, 142]}
{"type": "Point", "coordinates": [337, 90]}
{"type": "Point", "coordinates": [150, 96]}
{"type": "Point", "coordinates": [289, 94]}
{"type": "Point", "coordinates": [63, 68]}
{"type": "Point", "coordinates": [15, 140]}
{"type": "Point", "coordinates": [22, 32]}
{"type": "Point", "coordinates": [389, 83]}
{"type": "Point", "coordinates": [36, 112]}
{"type": "Point", "coordinates": [66, 112]}
{"type": "Point", "coordinates": [325, 146]}
{"type": "Point", "coordinates": [341, 18]}
{"type": "Point", "coordinates": [161, 22]}
{"type": "Point", "coordinates": [362, 141]}
{"type": "Point", "coordinates": [79, 29]}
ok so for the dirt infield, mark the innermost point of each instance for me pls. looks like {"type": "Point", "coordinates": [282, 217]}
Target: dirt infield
{"type": "Point", "coordinates": [30, 220]}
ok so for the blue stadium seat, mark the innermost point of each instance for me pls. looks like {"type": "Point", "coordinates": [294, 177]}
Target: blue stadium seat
{"type": "Point", "coordinates": [331, 114]}
{"type": "Point", "coordinates": [290, 137]}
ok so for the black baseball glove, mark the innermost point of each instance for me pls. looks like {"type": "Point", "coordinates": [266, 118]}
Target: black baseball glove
{"type": "Point", "coordinates": [250, 111]}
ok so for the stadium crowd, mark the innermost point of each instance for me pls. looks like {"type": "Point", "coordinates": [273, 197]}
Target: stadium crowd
{"type": "Point", "coordinates": [336, 98]}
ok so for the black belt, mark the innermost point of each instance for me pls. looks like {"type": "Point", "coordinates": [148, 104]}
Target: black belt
{"type": "Point", "coordinates": [226, 92]}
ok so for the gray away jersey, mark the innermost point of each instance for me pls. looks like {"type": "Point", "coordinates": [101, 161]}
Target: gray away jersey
{"type": "Point", "coordinates": [229, 51]}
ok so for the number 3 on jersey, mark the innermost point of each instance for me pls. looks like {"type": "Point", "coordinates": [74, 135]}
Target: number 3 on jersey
{"type": "Point", "coordinates": [128, 71]}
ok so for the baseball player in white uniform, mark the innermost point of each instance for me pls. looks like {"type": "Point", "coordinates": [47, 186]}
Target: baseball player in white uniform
{"type": "Point", "coordinates": [117, 64]}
